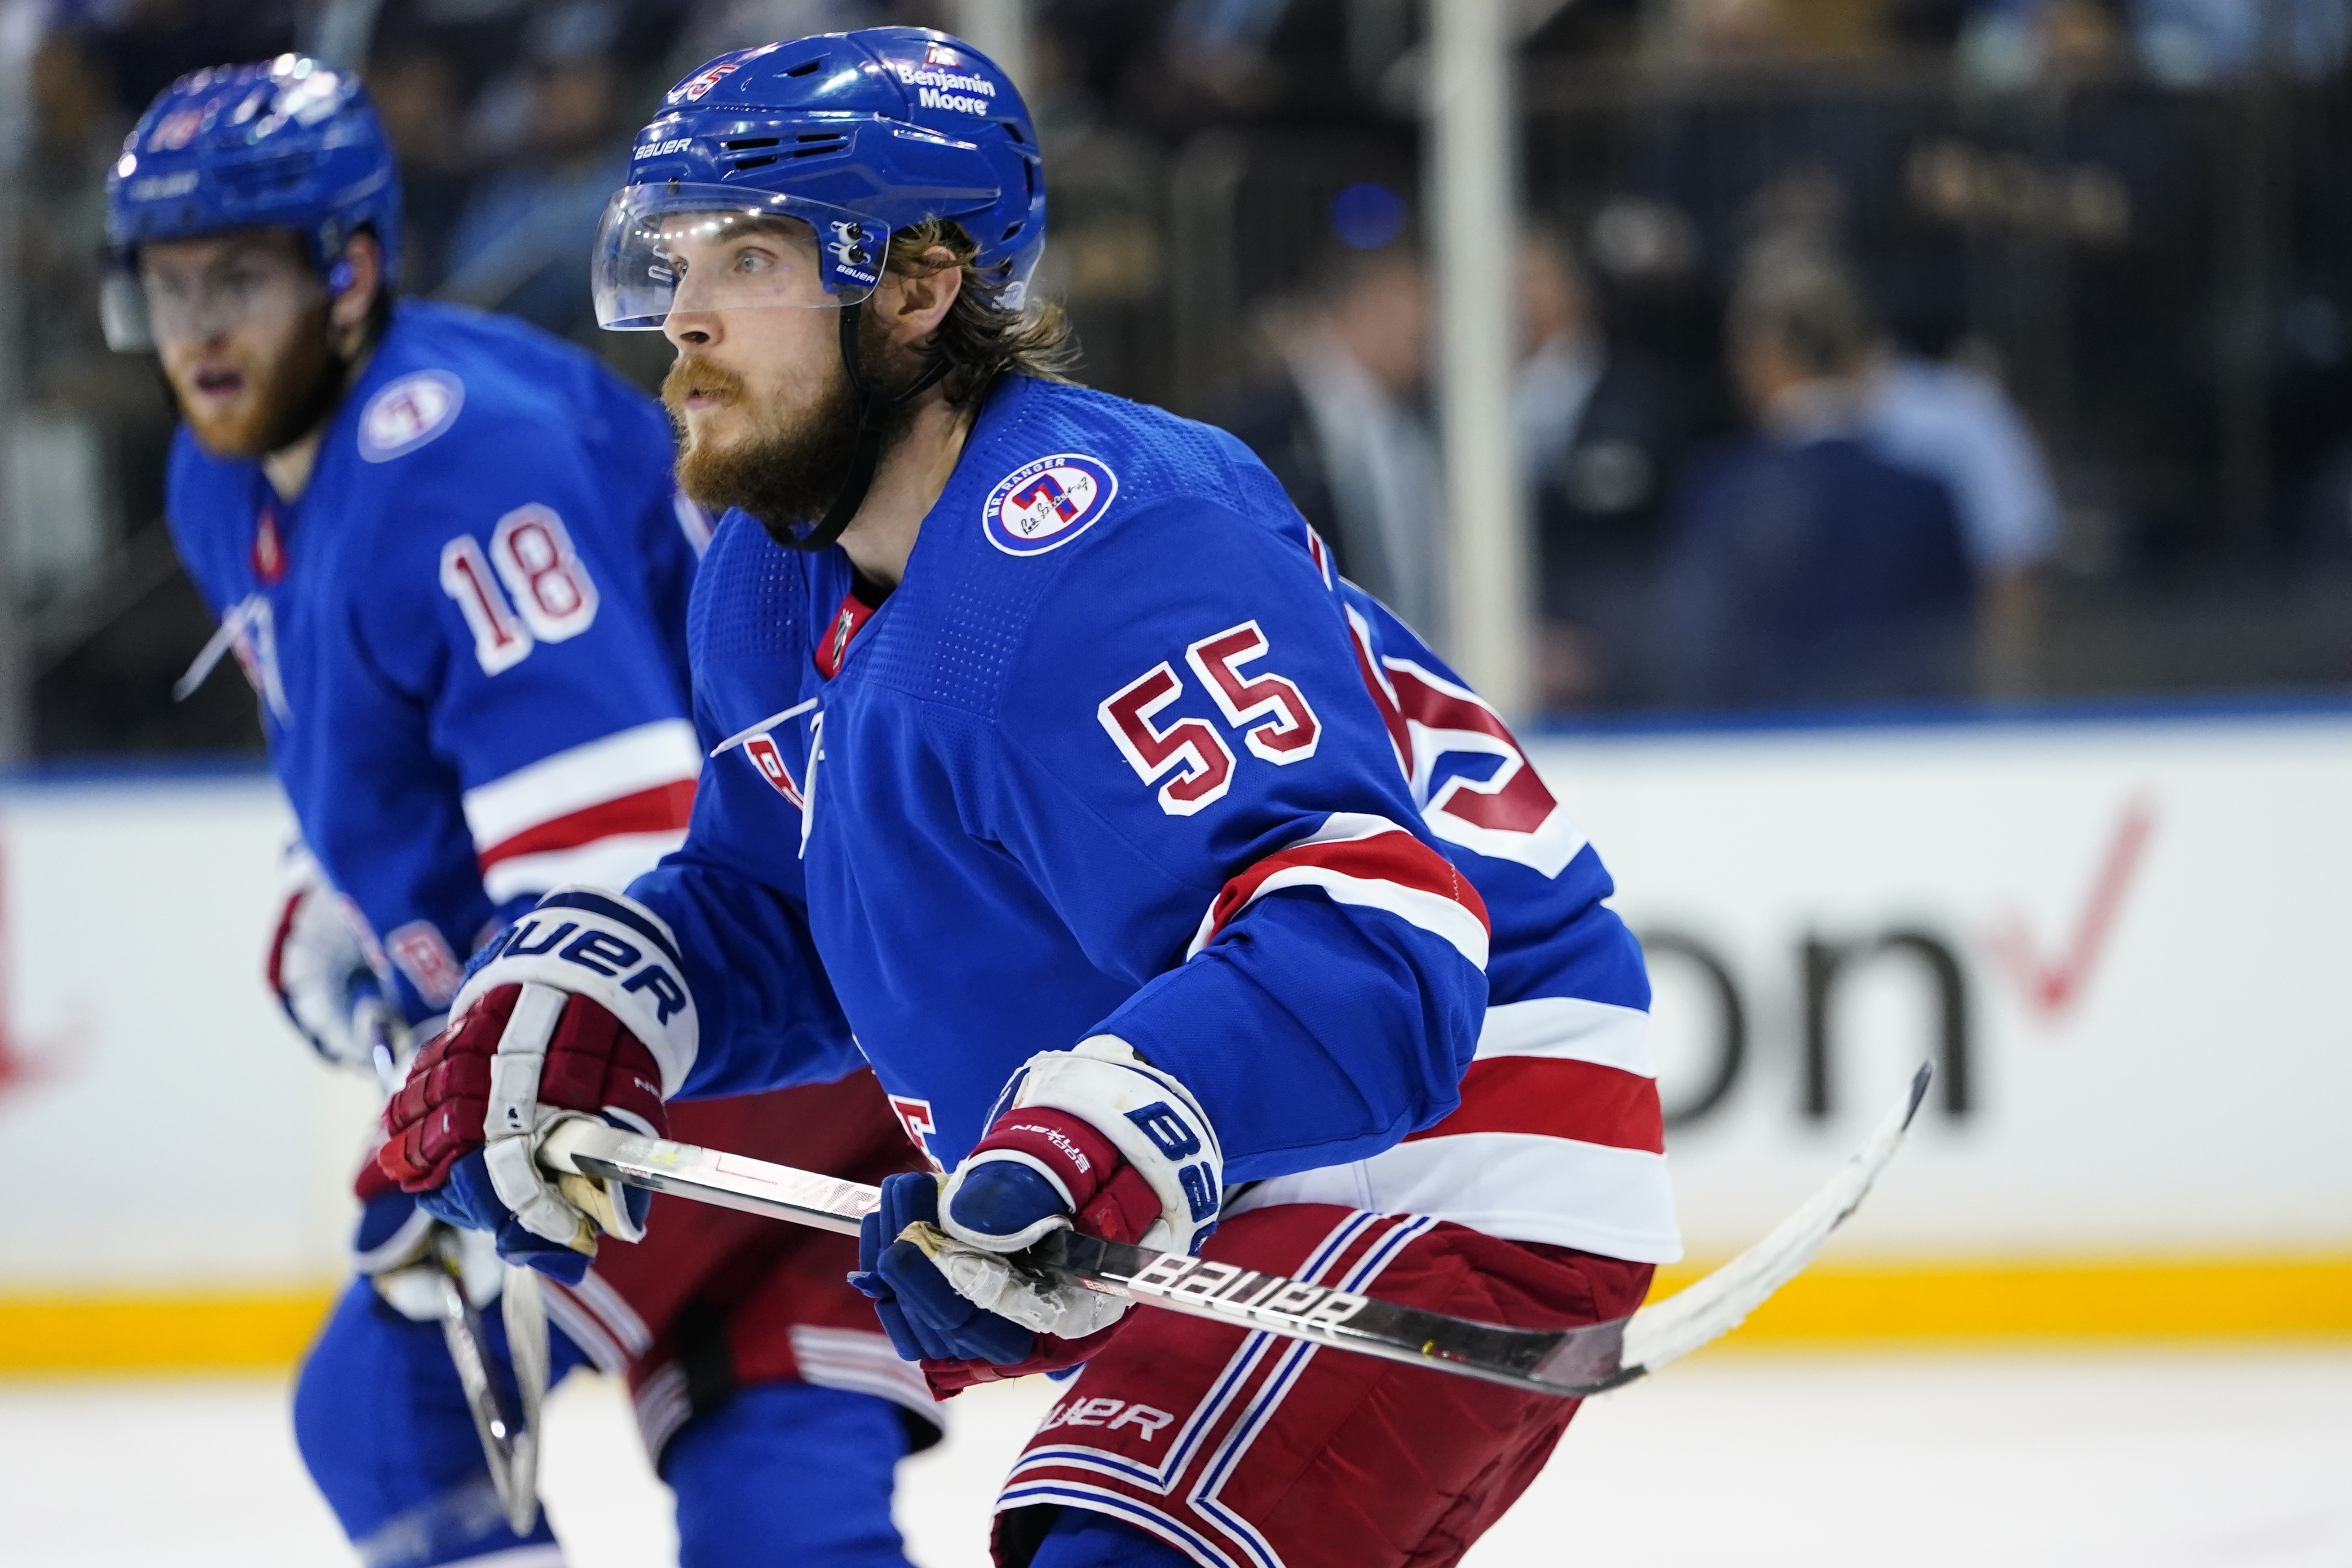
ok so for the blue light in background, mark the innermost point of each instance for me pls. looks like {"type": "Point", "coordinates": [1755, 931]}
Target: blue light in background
{"type": "Point", "coordinates": [1367, 215]}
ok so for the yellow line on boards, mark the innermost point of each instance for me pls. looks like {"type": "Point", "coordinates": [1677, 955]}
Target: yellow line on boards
{"type": "Point", "coordinates": [191, 1331]}
{"type": "Point", "coordinates": [2114, 1301]}
{"type": "Point", "coordinates": [2079, 1303]}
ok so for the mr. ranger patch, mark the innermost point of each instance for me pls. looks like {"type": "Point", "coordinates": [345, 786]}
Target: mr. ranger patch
{"type": "Point", "coordinates": [409, 412]}
{"type": "Point", "coordinates": [1044, 505]}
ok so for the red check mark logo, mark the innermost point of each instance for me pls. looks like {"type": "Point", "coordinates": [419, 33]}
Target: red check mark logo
{"type": "Point", "coordinates": [21, 1069]}
{"type": "Point", "coordinates": [2050, 988]}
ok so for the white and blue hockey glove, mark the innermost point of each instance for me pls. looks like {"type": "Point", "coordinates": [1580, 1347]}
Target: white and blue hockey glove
{"type": "Point", "coordinates": [577, 1010]}
{"type": "Point", "coordinates": [1092, 1137]}
{"type": "Point", "coordinates": [322, 968]}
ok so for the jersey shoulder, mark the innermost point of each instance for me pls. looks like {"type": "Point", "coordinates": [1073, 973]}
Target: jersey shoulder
{"type": "Point", "coordinates": [1059, 460]}
{"type": "Point", "coordinates": [454, 388]}
{"type": "Point", "coordinates": [464, 415]}
{"type": "Point", "coordinates": [1074, 519]}
{"type": "Point", "coordinates": [1139, 506]}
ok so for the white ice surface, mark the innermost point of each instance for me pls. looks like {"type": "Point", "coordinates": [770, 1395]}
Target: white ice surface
{"type": "Point", "coordinates": [2186, 1460]}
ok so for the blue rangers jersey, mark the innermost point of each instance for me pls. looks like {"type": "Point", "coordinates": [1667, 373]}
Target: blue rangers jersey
{"type": "Point", "coordinates": [466, 635]}
{"type": "Point", "coordinates": [1121, 753]}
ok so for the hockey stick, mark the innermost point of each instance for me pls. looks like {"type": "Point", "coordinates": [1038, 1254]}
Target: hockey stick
{"type": "Point", "coordinates": [509, 1438]}
{"type": "Point", "coordinates": [1572, 1363]}
{"type": "Point", "coordinates": [510, 1441]}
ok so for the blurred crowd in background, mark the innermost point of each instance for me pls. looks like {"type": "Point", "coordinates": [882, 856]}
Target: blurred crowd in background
{"type": "Point", "coordinates": [1875, 351]}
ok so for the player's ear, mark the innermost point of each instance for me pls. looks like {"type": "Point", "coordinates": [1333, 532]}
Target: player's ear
{"type": "Point", "coordinates": [357, 277]}
{"type": "Point", "coordinates": [924, 296]}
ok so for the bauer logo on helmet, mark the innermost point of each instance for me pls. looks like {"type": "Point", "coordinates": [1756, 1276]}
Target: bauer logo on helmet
{"type": "Point", "coordinates": [1044, 505]}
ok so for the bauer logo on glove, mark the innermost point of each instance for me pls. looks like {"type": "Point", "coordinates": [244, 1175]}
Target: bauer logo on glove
{"type": "Point", "coordinates": [577, 1011]}
{"type": "Point", "coordinates": [1094, 1138]}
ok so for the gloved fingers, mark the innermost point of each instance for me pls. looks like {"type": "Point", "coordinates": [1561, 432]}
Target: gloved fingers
{"type": "Point", "coordinates": [903, 1337]}
{"type": "Point", "coordinates": [871, 1240]}
{"type": "Point", "coordinates": [961, 1327]}
{"type": "Point", "coordinates": [920, 1334]}
{"type": "Point", "coordinates": [908, 1197]}
{"type": "Point", "coordinates": [552, 1258]}
{"type": "Point", "coordinates": [466, 1198]}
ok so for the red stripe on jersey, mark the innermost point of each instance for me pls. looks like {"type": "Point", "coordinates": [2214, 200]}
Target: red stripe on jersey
{"type": "Point", "coordinates": [1521, 805]}
{"type": "Point", "coordinates": [1557, 1098]}
{"type": "Point", "coordinates": [1394, 857]}
{"type": "Point", "coordinates": [663, 809]}
{"type": "Point", "coordinates": [1398, 736]}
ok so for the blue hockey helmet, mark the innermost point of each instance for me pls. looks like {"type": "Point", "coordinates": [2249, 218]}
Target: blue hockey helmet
{"type": "Point", "coordinates": [856, 135]}
{"type": "Point", "coordinates": [286, 143]}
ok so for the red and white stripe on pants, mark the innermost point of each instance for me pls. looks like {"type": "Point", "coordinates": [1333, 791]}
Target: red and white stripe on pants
{"type": "Point", "coordinates": [1244, 1450]}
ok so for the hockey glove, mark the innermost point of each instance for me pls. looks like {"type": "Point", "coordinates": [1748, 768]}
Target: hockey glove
{"type": "Point", "coordinates": [394, 1249]}
{"type": "Point", "coordinates": [1092, 1136]}
{"type": "Point", "coordinates": [321, 970]}
{"type": "Point", "coordinates": [576, 1011]}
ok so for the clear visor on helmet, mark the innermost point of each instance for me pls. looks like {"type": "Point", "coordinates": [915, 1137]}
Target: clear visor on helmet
{"type": "Point", "coordinates": [166, 297]}
{"type": "Point", "coordinates": [675, 246]}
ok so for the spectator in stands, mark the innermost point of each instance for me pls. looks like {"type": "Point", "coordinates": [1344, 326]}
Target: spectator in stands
{"type": "Point", "coordinates": [420, 97]}
{"type": "Point", "coordinates": [1956, 424]}
{"type": "Point", "coordinates": [1344, 430]}
{"type": "Point", "coordinates": [1598, 435]}
{"type": "Point", "coordinates": [518, 245]}
{"type": "Point", "coordinates": [1805, 566]}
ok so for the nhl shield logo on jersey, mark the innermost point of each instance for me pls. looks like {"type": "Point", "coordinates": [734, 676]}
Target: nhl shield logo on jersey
{"type": "Point", "coordinates": [409, 412]}
{"type": "Point", "coordinates": [1044, 505]}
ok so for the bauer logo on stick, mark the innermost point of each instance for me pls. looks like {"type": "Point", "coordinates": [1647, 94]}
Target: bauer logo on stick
{"type": "Point", "coordinates": [1044, 505]}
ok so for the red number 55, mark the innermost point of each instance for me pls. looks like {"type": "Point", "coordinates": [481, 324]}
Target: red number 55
{"type": "Point", "coordinates": [1274, 717]}
{"type": "Point", "coordinates": [1199, 755]}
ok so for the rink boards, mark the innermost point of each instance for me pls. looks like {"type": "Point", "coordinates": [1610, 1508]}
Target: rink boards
{"type": "Point", "coordinates": [2123, 940]}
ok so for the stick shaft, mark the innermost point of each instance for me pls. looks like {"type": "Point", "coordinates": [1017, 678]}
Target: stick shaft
{"type": "Point", "coordinates": [1570, 1363]}
{"type": "Point", "coordinates": [1220, 1292]}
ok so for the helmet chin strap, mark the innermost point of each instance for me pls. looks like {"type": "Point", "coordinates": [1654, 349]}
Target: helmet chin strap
{"type": "Point", "coordinates": [872, 419]}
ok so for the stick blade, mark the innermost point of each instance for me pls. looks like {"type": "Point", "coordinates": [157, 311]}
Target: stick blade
{"type": "Point", "coordinates": [1720, 1303]}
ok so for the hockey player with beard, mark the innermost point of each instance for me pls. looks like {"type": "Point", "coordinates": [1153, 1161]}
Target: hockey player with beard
{"type": "Point", "coordinates": [1174, 889]}
{"type": "Point", "coordinates": [448, 553]}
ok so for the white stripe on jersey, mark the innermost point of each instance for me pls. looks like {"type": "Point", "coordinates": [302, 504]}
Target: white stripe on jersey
{"type": "Point", "coordinates": [1521, 1186]}
{"type": "Point", "coordinates": [623, 763]}
{"type": "Point", "coordinates": [615, 861]}
{"type": "Point", "coordinates": [1570, 1029]}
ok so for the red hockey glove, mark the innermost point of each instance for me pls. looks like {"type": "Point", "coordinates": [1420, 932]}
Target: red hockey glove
{"type": "Point", "coordinates": [576, 1011]}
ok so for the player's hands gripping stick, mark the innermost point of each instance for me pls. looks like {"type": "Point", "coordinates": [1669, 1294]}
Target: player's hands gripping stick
{"type": "Point", "coordinates": [1092, 1136]}
{"type": "Point", "coordinates": [576, 1011]}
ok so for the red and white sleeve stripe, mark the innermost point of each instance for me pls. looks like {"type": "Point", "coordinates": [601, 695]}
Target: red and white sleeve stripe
{"type": "Point", "coordinates": [601, 813]}
{"type": "Point", "coordinates": [1561, 1067]}
{"type": "Point", "coordinates": [1558, 1139]}
{"type": "Point", "coordinates": [1368, 862]}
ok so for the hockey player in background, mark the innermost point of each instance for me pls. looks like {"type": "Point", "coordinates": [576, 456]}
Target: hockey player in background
{"type": "Point", "coordinates": [1173, 888]}
{"type": "Point", "coordinates": [448, 551]}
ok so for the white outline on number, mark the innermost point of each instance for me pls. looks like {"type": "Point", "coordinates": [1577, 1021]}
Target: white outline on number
{"type": "Point", "coordinates": [500, 642]}
{"type": "Point", "coordinates": [1287, 708]}
{"type": "Point", "coordinates": [1188, 750]}
{"type": "Point", "coordinates": [523, 579]}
